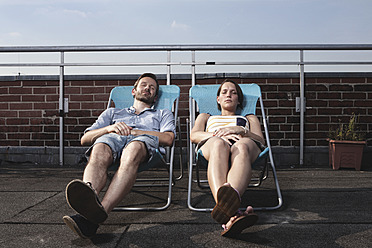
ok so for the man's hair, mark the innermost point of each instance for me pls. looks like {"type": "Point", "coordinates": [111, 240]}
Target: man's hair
{"type": "Point", "coordinates": [238, 91]}
{"type": "Point", "coordinates": [150, 75]}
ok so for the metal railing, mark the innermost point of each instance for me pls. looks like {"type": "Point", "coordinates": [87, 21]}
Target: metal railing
{"type": "Point", "coordinates": [169, 64]}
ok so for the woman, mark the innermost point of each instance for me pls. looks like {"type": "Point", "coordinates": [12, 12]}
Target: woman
{"type": "Point", "coordinates": [230, 143]}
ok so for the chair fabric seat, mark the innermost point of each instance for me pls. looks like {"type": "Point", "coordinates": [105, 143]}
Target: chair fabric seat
{"type": "Point", "coordinates": [168, 98]}
{"type": "Point", "coordinates": [200, 102]}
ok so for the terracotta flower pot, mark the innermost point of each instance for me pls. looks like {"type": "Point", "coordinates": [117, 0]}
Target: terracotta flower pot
{"type": "Point", "coordinates": [346, 154]}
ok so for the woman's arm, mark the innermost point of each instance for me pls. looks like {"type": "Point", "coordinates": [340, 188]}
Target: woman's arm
{"type": "Point", "coordinates": [254, 129]}
{"type": "Point", "coordinates": [198, 133]}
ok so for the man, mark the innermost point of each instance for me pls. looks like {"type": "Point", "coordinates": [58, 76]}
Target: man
{"type": "Point", "coordinates": [128, 136]}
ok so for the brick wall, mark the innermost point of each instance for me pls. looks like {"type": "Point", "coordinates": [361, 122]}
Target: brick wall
{"type": "Point", "coordinates": [29, 106]}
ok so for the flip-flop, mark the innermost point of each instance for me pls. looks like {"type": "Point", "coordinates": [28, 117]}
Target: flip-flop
{"type": "Point", "coordinates": [240, 224]}
{"type": "Point", "coordinates": [228, 202]}
{"type": "Point", "coordinates": [83, 199]}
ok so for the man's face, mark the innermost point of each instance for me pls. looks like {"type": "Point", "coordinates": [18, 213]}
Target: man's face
{"type": "Point", "coordinates": [145, 91]}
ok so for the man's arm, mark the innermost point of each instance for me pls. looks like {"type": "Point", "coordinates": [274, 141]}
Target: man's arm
{"type": "Point", "coordinates": [167, 129]}
{"type": "Point", "coordinates": [165, 138]}
{"type": "Point", "coordinates": [90, 137]}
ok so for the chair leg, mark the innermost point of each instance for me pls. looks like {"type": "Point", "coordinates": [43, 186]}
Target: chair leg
{"type": "Point", "coordinates": [277, 188]}
{"type": "Point", "coordinates": [169, 200]}
{"type": "Point", "coordinates": [180, 150]}
{"type": "Point", "coordinates": [278, 192]}
{"type": "Point", "coordinates": [189, 192]}
{"type": "Point", "coordinates": [169, 197]}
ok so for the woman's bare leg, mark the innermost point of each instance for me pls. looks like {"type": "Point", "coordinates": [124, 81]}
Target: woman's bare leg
{"type": "Point", "coordinates": [243, 154]}
{"type": "Point", "coordinates": [217, 152]}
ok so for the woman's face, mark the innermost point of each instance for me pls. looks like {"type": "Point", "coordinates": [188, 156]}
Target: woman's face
{"type": "Point", "coordinates": [228, 98]}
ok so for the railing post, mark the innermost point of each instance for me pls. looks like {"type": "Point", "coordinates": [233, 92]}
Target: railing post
{"type": "Point", "coordinates": [168, 67]}
{"type": "Point", "coordinates": [192, 106]}
{"type": "Point", "coordinates": [193, 74]}
{"type": "Point", "coordinates": [193, 82]}
{"type": "Point", "coordinates": [61, 111]}
{"type": "Point", "coordinates": [302, 106]}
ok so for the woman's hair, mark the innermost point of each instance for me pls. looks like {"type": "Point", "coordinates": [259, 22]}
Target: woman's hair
{"type": "Point", "coordinates": [238, 91]}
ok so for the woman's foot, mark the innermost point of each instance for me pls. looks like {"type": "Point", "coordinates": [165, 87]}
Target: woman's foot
{"type": "Point", "coordinates": [239, 222]}
{"type": "Point", "coordinates": [228, 202]}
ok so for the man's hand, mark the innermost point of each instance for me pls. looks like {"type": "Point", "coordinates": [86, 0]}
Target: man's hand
{"type": "Point", "coordinates": [120, 128]}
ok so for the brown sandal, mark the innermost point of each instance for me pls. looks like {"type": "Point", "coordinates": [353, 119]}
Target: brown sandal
{"type": "Point", "coordinates": [239, 224]}
{"type": "Point", "coordinates": [228, 202]}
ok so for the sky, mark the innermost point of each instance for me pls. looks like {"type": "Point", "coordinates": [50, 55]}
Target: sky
{"type": "Point", "coordinates": [104, 22]}
{"type": "Point", "coordinates": [169, 22]}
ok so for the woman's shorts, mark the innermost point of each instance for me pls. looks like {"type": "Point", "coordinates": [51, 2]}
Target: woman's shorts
{"type": "Point", "coordinates": [200, 155]}
{"type": "Point", "coordinates": [201, 143]}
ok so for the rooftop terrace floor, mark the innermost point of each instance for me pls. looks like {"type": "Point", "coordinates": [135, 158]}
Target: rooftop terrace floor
{"type": "Point", "coordinates": [322, 208]}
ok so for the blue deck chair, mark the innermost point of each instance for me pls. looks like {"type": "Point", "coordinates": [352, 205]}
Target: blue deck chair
{"type": "Point", "coordinates": [168, 98]}
{"type": "Point", "coordinates": [204, 96]}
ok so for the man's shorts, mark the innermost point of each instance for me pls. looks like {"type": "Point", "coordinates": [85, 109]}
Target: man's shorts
{"type": "Point", "coordinates": [118, 142]}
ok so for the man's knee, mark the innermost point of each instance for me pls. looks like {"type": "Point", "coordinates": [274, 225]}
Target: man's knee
{"type": "Point", "coordinates": [135, 153]}
{"type": "Point", "coordinates": [101, 152]}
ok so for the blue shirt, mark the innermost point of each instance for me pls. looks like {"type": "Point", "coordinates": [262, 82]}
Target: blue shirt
{"type": "Point", "coordinates": [159, 120]}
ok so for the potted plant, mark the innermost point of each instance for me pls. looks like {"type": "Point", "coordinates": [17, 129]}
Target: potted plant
{"type": "Point", "coordinates": [346, 145]}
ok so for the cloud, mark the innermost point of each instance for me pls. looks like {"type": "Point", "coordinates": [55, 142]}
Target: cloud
{"type": "Point", "coordinates": [176, 25]}
{"type": "Point", "coordinates": [49, 2]}
{"type": "Point", "coordinates": [14, 34]}
{"type": "Point", "coordinates": [75, 12]}
{"type": "Point", "coordinates": [59, 12]}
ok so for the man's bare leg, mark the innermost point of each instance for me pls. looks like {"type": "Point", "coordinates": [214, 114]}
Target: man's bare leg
{"type": "Point", "coordinates": [82, 197]}
{"type": "Point", "coordinates": [96, 170]}
{"type": "Point", "coordinates": [125, 177]}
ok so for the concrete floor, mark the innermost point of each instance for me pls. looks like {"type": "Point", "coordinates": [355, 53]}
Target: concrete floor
{"type": "Point", "coordinates": [322, 208]}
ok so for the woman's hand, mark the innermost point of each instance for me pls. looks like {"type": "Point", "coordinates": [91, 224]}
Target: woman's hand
{"type": "Point", "coordinates": [119, 128]}
{"type": "Point", "coordinates": [229, 130]}
{"type": "Point", "coordinates": [231, 138]}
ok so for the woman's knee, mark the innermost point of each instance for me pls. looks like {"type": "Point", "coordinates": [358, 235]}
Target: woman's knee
{"type": "Point", "coordinates": [220, 145]}
{"type": "Point", "coordinates": [241, 148]}
{"type": "Point", "coordinates": [246, 149]}
{"type": "Point", "coordinates": [216, 147]}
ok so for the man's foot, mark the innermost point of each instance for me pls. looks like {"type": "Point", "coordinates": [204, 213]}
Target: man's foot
{"type": "Point", "coordinates": [83, 199]}
{"type": "Point", "coordinates": [81, 226]}
{"type": "Point", "coordinates": [228, 202]}
{"type": "Point", "coordinates": [239, 222]}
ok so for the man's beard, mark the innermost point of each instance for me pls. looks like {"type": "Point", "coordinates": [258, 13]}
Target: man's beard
{"type": "Point", "coordinates": [148, 99]}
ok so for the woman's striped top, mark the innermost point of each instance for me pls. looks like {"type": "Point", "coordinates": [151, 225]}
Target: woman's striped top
{"type": "Point", "coordinates": [217, 121]}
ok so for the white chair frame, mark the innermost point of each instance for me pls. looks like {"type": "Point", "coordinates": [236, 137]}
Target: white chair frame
{"type": "Point", "coordinates": [192, 158]}
{"type": "Point", "coordinates": [171, 102]}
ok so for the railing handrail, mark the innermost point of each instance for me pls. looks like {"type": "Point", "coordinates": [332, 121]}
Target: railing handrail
{"type": "Point", "coordinates": [301, 48]}
{"type": "Point", "coordinates": [218, 47]}
{"type": "Point", "coordinates": [184, 63]}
